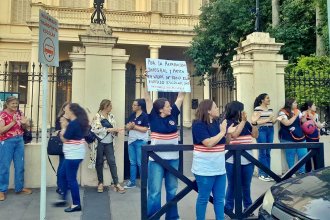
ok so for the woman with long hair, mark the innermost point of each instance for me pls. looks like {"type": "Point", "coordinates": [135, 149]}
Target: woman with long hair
{"type": "Point", "coordinates": [244, 133]}
{"type": "Point", "coordinates": [308, 110]}
{"type": "Point", "coordinates": [12, 146]}
{"type": "Point", "coordinates": [291, 131]}
{"type": "Point", "coordinates": [266, 131]}
{"type": "Point", "coordinates": [60, 168]}
{"type": "Point", "coordinates": [72, 136]}
{"type": "Point", "coordinates": [208, 166]}
{"type": "Point", "coordinates": [104, 126]}
{"type": "Point", "coordinates": [137, 126]}
{"type": "Point", "coordinates": [163, 119]}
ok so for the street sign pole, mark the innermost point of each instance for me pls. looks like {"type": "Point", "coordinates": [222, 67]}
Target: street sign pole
{"type": "Point", "coordinates": [48, 56]}
{"type": "Point", "coordinates": [43, 180]}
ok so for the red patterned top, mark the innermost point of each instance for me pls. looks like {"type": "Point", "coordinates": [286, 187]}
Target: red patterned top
{"type": "Point", "coordinates": [5, 119]}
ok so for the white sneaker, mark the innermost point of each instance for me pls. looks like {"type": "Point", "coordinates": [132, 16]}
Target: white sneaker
{"type": "Point", "coordinates": [263, 178]}
{"type": "Point", "coordinates": [129, 185]}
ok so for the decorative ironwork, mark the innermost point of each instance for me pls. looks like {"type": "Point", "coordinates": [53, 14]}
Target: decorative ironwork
{"type": "Point", "coordinates": [100, 17]}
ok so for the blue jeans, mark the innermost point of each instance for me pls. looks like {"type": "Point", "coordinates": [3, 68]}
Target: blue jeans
{"type": "Point", "coordinates": [266, 135]}
{"type": "Point", "coordinates": [291, 155]}
{"type": "Point", "coordinates": [206, 185]}
{"type": "Point", "coordinates": [68, 178]}
{"type": "Point", "coordinates": [156, 173]}
{"type": "Point", "coordinates": [134, 153]}
{"type": "Point", "coordinates": [12, 149]}
{"type": "Point", "coordinates": [247, 173]}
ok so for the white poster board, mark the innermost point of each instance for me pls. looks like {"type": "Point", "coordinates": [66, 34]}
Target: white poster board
{"type": "Point", "coordinates": [48, 39]}
{"type": "Point", "coordinates": [167, 75]}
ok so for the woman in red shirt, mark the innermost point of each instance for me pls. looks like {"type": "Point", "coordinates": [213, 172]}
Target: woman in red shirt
{"type": "Point", "coordinates": [12, 147]}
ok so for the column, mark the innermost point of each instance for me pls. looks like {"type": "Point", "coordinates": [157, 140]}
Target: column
{"type": "Point", "coordinates": [34, 93]}
{"type": "Point", "coordinates": [206, 88]}
{"type": "Point", "coordinates": [154, 53]}
{"type": "Point", "coordinates": [259, 68]}
{"type": "Point", "coordinates": [187, 111]}
{"type": "Point", "coordinates": [183, 7]}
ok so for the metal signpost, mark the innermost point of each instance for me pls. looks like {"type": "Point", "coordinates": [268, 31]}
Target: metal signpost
{"type": "Point", "coordinates": [48, 56]}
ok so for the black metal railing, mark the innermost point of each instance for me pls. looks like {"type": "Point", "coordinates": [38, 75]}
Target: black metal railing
{"type": "Point", "coordinates": [26, 80]}
{"type": "Point", "coordinates": [223, 89]}
{"type": "Point", "coordinates": [316, 152]}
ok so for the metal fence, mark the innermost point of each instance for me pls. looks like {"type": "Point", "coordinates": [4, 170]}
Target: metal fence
{"type": "Point", "coordinates": [305, 86]}
{"type": "Point", "coordinates": [26, 81]}
{"type": "Point", "coordinates": [223, 89]}
{"type": "Point", "coordinates": [316, 152]}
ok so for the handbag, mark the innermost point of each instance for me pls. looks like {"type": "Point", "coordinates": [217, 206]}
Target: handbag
{"type": "Point", "coordinates": [105, 123]}
{"type": "Point", "coordinates": [55, 145]}
{"type": "Point", "coordinates": [27, 136]}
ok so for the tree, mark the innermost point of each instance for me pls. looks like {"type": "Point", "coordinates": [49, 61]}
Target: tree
{"type": "Point", "coordinates": [223, 24]}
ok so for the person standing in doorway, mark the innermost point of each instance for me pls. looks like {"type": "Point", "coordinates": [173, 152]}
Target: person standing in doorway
{"type": "Point", "coordinates": [12, 147]}
{"type": "Point", "coordinates": [266, 131]}
{"type": "Point", "coordinates": [138, 124]}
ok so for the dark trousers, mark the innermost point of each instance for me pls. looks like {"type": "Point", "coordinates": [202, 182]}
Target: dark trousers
{"type": "Point", "coordinates": [60, 169]}
{"type": "Point", "coordinates": [309, 162]}
{"type": "Point", "coordinates": [108, 151]}
{"type": "Point", "coordinates": [68, 179]}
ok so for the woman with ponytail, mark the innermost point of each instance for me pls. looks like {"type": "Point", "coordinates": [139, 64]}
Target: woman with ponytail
{"type": "Point", "coordinates": [266, 130]}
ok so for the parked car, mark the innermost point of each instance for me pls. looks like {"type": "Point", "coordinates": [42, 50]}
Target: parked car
{"type": "Point", "coordinates": [303, 197]}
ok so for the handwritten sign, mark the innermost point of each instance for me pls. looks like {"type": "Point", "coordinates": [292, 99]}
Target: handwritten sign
{"type": "Point", "coordinates": [48, 39]}
{"type": "Point", "coordinates": [167, 75]}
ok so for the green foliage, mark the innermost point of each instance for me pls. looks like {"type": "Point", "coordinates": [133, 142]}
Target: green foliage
{"type": "Point", "coordinates": [296, 28]}
{"type": "Point", "coordinates": [309, 79]}
{"type": "Point", "coordinates": [222, 25]}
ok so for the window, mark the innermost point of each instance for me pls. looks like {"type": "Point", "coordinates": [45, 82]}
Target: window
{"type": "Point", "coordinates": [165, 6]}
{"type": "Point", "coordinates": [20, 11]}
{"type": "Point", "coordinates": [75, 3]}
{"type": "Point", "coordinates": [126, 5]}
{"type": "Point", "coordinates": [18, 79]}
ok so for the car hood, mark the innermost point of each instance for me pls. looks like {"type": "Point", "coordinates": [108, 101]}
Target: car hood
{"type": "Point", "coordinates": [308, 194]}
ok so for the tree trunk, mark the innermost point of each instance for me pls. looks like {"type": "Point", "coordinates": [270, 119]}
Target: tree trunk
{"type": "Point", "coordinates": [320, 48]}
{"type": "Point", "coordinates": [275, 13]}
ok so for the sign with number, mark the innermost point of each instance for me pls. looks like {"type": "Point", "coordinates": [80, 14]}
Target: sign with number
{"type": "Point", "coordinates": [48, 39]}
{"type": "Point", "coordinates": [167, 75]}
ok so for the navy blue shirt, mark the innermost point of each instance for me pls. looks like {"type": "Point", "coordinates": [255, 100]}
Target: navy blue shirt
{"type": "Point", "coordinates": [202, 130]}
{"type": "Point", "coordinates": [73, 131]}
{"type": "Point", "coordinates": [165, 125]}
{"type": "Point", "coordinates": [142, 120]}
{"type": "Point", "coordinates": [247, 130]}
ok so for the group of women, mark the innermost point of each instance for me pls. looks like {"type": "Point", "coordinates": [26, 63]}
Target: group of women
{"type": "Point", "coordinates": [210, 134]}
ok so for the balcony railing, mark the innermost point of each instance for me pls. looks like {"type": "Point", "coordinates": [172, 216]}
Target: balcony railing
{"type": "Point", "coordinates": [125, 19]}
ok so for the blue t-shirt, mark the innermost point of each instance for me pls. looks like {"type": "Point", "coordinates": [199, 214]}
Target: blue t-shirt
{"type": "Point", "coordinates": [207, 163]}
{"type": "Point", "coordinates": [165, 125]}
{"type": "Point", "coordinates": [245, 137]}
{"type": "Point", "coordinates": [74, 131]}
{"type": "Point", "coordinates": [202, 131]}
{"type": "Point", "coordinates": [142, 120]}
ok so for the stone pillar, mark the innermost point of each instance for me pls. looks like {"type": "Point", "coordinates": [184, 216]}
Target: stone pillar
{"type": "Point", "coordinates": [259, 68]}
{"type": "Point", "coordinates": [187, 110]}
{"type": "Point", "coordinates": [154, 53]}
{"type": "Point", "coordinates": [183, 7]}
{"type": "Point", "coordinates": [206, 88]}
{"type": "Point", "coordinates": [99, 73]}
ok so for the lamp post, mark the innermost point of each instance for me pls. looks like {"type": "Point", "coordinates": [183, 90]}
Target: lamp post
{"type": "Point", "coordinates": [100, 17]}
{"type": "Point", "coordinates": [257, 23]}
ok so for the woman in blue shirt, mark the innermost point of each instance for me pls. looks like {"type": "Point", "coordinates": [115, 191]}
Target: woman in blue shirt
{"type": "Point", "coordinates": [137, 126]}
{"type": "Point", "coordinates": [163, 119]}
{"type": "Point", "coordinates": [242, 135]}
{"type": "Point", "coordinates": [208, 166]}
{"type": "Point", "coordinates": [72, 135]}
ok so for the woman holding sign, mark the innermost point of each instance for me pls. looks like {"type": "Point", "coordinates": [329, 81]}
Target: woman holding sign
{"type": "Point", "coordinates": [163, 119]}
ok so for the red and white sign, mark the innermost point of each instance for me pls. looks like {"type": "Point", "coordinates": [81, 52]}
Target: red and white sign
{"type": "Point", "coordinates": [48, 39]}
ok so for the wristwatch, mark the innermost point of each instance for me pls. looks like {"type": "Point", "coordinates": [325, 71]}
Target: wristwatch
{"type": "Point", "coordinates": [254, 124]}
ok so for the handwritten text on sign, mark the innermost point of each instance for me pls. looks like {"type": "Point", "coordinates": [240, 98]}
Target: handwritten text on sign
{"type": "Point", "coordinates": [167, 75]}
